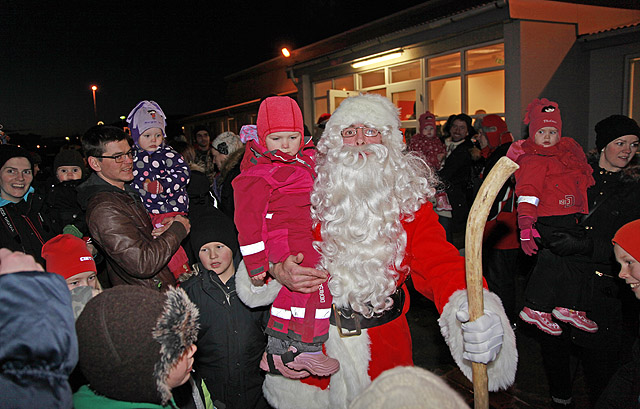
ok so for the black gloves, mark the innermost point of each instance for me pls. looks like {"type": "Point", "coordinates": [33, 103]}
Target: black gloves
{"type": "Point", "coordinates": [565, 244]}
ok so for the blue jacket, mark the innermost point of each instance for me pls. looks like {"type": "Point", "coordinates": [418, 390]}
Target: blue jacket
{"type": "Point", "coordinates": [38, 344]}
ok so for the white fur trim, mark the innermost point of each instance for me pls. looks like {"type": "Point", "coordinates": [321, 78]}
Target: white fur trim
{"type": "Point", "coordinates": [352, 378]}
{"type": "Point", "coordinates": [369, 109]}
{"type": "Point", "coordinates": [502, 371]}
{"type": "Point", "coordinates": [253, 296]}
{"type": "Point", "coordinates": [284, 393]}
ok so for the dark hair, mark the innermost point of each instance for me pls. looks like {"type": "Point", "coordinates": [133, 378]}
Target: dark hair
{"type": "Point", "coordinates": [184, 149]}
{"type": "Point", "coordinates": [96, 137]}
{"type": "Point", "coordinates": [199, 128]}
{"type": "Point", "coordinates": [467, 119]}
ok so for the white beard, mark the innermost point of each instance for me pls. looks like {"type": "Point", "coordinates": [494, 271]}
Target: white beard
{"type": "Point", "coordinates": [360, 197]}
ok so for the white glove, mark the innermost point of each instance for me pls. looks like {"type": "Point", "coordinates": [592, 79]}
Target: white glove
{"type": "Point", "coordinates": [482, 337]}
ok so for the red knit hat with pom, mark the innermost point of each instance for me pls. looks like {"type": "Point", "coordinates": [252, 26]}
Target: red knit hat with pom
{"type": "Point", "coordinates": [542, 113]}
{"type": "Point", "coordinates": [278, 114]}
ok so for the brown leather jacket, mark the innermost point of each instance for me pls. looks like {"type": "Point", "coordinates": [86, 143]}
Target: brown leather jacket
{"type": "Point", "coordinates": [120, 225]}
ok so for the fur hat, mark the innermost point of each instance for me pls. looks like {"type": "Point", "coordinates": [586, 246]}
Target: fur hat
{"type": "Point", "coordinates": [210, 226]}
{"type": "Point", "coordinates": [278, 114]}
{"type": "Point", "coordinates": [126, 353]}
{"type": "Point", "coordinates": [627, 238]}
{"type": "Point", "coordinates": [12, 151]}
{"type": "Point", "coordinates": [427, 119]}
{"type": "Point", "coordinates": [613, 127]}
{"type": "Point", "coordinates": [542, 113]}
{"type": "Point", "coordinates": [370, 109]}
{"type": "Point", "coordinates": [146, 115]}
{"type": "Point", "coordinates": [68, 157]}
{"type": "Point", "coordinates": [408, 387]}
{"type": "Point", "coordinates": [67, 255]}
{"type": "Point", "coordinates": [226, 143]}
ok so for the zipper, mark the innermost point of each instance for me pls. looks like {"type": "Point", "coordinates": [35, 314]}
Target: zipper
{"type": "Point", "coordinates": [223, 288]}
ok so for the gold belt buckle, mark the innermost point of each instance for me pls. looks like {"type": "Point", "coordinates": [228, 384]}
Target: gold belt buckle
{"type": "Point", "coordinates": [344, 333]}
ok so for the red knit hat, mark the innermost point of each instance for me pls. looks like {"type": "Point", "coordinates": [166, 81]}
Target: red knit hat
{"type": "Point", "coordinates": [67, 255]}
{"type": "Point", "coordinates": [542, 113]}
{"type": "Point", "coordinates": [278, 114]}
{"type": "Point", "coordinates": [627, 238]}
{"type": "Point", "coordinates": [427, 119]}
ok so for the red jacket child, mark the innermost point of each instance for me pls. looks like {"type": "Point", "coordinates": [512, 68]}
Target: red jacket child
{"type": "Point", "coordinates": [272, 196]}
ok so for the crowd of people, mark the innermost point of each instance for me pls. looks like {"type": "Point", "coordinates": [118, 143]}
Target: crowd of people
{"type": "Point", "coordinates": [269, 268]}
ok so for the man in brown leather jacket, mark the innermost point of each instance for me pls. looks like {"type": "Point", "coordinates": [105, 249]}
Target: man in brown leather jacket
{"type": "Point", "coordinates": [136, 253]}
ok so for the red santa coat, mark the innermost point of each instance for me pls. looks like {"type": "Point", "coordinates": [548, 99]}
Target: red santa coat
{"type": "Point", "coordinates": [438, 273]}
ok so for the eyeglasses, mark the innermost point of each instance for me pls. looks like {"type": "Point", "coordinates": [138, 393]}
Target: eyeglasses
{"type": "Point", "coordinates": [118, 158]}
{"type": "Point", "coordinates": [353, 131]}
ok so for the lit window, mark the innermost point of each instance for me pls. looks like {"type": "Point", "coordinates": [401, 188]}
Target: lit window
{"type": "Point", "coordinates": [372, 78]}
{"type": "Point", "coordinates": [466, 81]}
{"type": "Point", "coordinates": [405, 72]}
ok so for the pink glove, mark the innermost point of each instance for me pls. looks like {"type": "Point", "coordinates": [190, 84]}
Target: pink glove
{"type": "Point", "coordinates": [153, 187]}
{"type": "Point", "coordinates": [528, 234]}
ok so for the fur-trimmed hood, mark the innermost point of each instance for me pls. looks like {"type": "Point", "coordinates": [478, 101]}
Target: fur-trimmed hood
{"type": "Point", "coordinates": [130, 337]}
{"type": "Point", "coordinates": [231, 162]}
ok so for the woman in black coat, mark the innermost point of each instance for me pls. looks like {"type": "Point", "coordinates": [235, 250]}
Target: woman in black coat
{"type": "Point", "coordinates": [613, 202]}
{"type": "Point", "coordinates": [24, 223]}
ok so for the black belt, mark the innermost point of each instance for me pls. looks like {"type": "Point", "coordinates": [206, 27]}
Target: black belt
{"type": "Point", "coordinates": [350, 323]}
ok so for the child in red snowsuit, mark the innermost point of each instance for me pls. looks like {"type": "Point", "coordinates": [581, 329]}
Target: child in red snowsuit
{"type": "Point", "coordinates": [551, 186]}
{"type": "Point", "coordinates": [272, 196]}
{"type": "Point", "coordinates": [433, 151]}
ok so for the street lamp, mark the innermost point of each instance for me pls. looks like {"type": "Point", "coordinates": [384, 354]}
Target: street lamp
{"type": "Point", "coordinates": [95, 111]}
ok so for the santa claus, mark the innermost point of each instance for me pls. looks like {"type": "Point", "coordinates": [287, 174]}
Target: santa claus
{"type": "Point", "coordinates": [377, 227]}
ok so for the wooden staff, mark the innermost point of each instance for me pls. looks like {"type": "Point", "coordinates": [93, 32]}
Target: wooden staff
{"type": "Point", "coordinates": [473, 261]}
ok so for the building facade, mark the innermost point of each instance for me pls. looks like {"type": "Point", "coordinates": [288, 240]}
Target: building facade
{"type": "Point", "coordinates": [494, 57]}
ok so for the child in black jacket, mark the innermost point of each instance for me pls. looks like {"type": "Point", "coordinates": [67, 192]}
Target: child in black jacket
{"type": "Point", "coordinates": [231, 339]}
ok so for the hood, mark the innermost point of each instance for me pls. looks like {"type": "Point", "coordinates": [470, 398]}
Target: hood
{"type": "Point", "coordinates": [255, 154]}
{"type": "Point", "coordinates": [95, 184]}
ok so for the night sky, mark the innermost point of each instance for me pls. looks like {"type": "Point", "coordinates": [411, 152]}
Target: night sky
{"type": "Point", "coordinates": [176, 54]}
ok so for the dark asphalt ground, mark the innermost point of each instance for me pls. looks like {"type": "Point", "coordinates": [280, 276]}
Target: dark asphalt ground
{"type": "Point", "coordinates": [530, 389]}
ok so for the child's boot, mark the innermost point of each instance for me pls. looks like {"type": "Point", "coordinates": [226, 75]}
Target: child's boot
{"type": "Point", "coordinates": [275, 365]}
{"type": "Point", "coordinates": [315, 362]}
{"type": "Point", "coordinates": [576, 318]}
{"type": "Point", "coordinates": [540, 319]}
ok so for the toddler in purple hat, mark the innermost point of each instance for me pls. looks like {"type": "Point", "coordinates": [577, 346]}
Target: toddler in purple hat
{"type": "Point", "coordinates": [160, 174]}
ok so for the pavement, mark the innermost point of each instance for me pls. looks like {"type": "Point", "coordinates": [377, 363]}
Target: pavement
{"type": "Point", "coordinates": [530, 388]}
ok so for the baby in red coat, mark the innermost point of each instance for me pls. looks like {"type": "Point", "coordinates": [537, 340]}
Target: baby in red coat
{"type": "Point", "coordinates": [551, 186]}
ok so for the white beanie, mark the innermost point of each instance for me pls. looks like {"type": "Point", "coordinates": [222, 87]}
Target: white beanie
{"type": "Point", "coordinates": [408, 387]}
{"type": "Point", "coordinates": [370, 109]}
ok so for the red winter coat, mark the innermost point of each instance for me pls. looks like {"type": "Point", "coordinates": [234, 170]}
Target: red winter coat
{"type": "Point", "coordinates": [557, 177]}
{"type": "Point", "coordinates": [272, 214]}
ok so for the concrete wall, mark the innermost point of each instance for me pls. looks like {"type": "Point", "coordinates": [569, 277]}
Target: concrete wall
{"type": "Point", "coordinates": [607, 66]}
